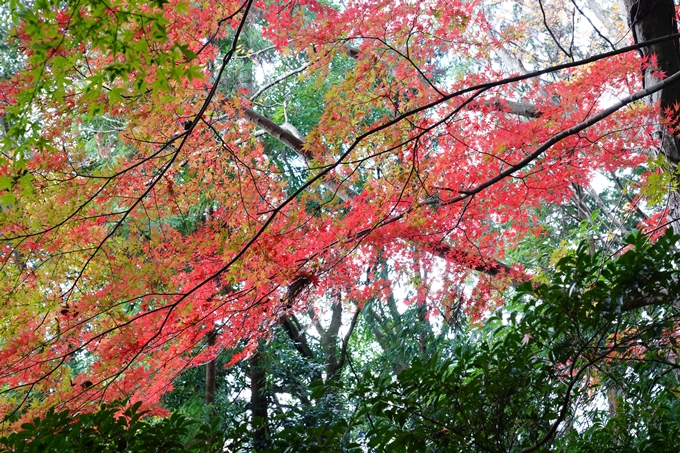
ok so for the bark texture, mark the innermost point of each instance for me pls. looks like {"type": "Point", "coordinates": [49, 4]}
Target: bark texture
{"type": "Point", "coordinates": [211, 372]}
{"type": "Point", "coordinates": [258, 400]}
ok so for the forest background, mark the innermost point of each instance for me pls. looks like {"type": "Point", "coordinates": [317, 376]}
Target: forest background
{"type": "Point", "coordinates": [340, 226]}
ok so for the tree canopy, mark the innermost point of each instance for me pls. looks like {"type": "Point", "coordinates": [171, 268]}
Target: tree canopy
{"type": "Point", "coordinates": [186, 180]}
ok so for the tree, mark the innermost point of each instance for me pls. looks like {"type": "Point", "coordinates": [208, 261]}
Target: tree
{"type": "Point", "coordinates": [146, 226]}
{"type": "Point", "coordinates": [534, 375]}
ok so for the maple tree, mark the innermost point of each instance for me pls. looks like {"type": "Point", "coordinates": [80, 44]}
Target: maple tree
{"type": "Point", "coordinates": [524, 380]}
{"type": "Point", "coordinates": [154, 214]}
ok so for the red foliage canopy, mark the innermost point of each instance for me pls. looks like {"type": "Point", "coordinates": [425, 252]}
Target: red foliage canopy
{"type": "Point", "coordinates": [142, 208]}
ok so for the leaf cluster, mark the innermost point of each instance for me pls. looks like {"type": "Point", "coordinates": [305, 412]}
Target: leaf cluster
{"type": "Point", "coordinates": [536, 373]}
{"type": "Point", "coordinates": [113, 428]}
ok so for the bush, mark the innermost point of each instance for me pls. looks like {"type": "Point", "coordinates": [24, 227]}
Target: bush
{"type": "Point", "coordinates": [115, 427]}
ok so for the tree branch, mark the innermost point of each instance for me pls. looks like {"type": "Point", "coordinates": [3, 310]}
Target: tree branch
{"type": "Point", "coordinates": [513, 107]}
{"type": "Point", "coordinates": [279, 80]}
{"type": "Point", "coordinates": [567, 133]}
{"type": "Point", "coordinates": [298, 338]}
{"type": "Point", "coordinates": [491, 267]}
{"type": "Point", "coordinates": [345, 340]}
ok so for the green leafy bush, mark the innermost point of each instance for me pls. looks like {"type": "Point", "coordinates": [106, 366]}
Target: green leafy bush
{"type": "Point", "coordinates": [113, 428]}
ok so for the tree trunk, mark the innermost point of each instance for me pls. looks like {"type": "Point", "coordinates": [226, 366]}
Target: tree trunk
{"type": "Point", "coordinates": [612, 401]}
{"type": "Point", "coordinates": [258, 400]}
{"type": "Point", "coordinates": [211, 372]}
{"type": "Point", "coordinates": [650, 19]}
{"type": "Point", "coordinates": [329, 343]}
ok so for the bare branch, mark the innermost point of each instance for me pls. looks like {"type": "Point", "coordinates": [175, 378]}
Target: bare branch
{"type": "Point", "coordinates": [278, 80]}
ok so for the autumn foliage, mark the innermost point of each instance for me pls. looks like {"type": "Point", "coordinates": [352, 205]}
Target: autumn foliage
{"type": "Point", "coordinates": [149, 195]}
